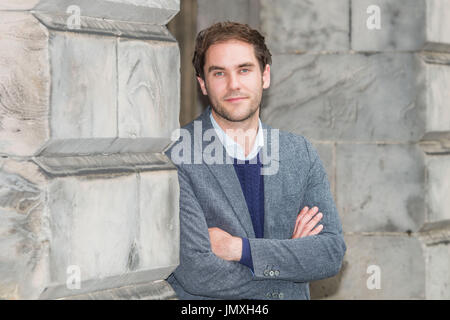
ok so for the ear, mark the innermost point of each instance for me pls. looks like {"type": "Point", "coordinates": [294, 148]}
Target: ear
{"type": "Point", "coordinates": [266, 77]}
{"type": "Point", "coordinates": [201, 82]}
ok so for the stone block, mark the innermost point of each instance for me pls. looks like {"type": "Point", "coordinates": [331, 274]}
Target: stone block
{"type": "Point", "coordinates": [159, 221]}
{"type": "Point", "coordinates": [149, 88]}
{"type": "Point", "coordinates": [127, 89]}
{"type": "Point", "coordinates": [348, 97]}
{"type": "Point", "coordinates": [438, 24]}
{"type": "Point", "coordinates": [437, 275]}
{"type": "Point", "coordinates": [376, 267]}
{"type": "Point", "coordinates": [299, 26]}
{"type": "Point", "coordinates": [116, 229]}
{"type": "Point", "coordinates": [93, 225]}
{"type": "Point", "coordinates": [380, 187]}
{"type": "Point", "coordinates": [25, 84]}
{"type": "Point", "coordinates": [402, 25]}
{"type": "Point", "coordinates": [84, 86]}
{"type": "Point", "coordinates": [438, 187]}
{"type": "Point", "coordinates": [438, 95]}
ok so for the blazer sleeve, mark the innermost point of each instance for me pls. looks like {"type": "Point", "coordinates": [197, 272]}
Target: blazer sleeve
{"type": "Point", "coordinates": [200, 271]}
{"type": "Point", "coordinates": [309, 258]}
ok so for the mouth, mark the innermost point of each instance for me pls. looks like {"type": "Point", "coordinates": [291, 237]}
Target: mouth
{"type": "Point", "coordinates": [235, 99]}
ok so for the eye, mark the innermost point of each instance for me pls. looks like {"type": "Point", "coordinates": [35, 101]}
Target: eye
{"type": "Point", "coordinates": [218, 74]}
{"type": "Point", "coordinates": [245, 70]}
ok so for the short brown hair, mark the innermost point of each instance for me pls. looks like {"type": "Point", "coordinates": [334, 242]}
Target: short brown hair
{"type": "Point", "coordinates": [224, 31]}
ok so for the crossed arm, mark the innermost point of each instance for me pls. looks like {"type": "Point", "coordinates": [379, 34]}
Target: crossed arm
{"type": "Point", "coordinates": [229, 247]}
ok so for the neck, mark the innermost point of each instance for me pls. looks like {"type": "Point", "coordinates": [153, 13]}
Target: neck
{"type": "Point", "coordinates": [242, 132]}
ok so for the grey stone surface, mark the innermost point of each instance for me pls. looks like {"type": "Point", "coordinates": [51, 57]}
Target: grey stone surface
{"type": "Point", "coordinates": [402, 25]}
{"type": "Point", "coordinates": [78, 186]}
{"type": "Point", "coordinates": [58, 21]}
{"type": "Point", "coordinates": [18, 5]}
{"type": "Point", "coordinates": [149, 88]}
{"type": "Point", "coordinates": [305, 25]}
{"type": "Point", "coordinates": [436, 237]}
{"type": "Point", "coordinates": [244, 11]}
{"type": "Point", "coordinates": [159, 290]}
{"type": "Point", "coordinates": [24, 83]}
{"type": "Point", "coordinates": [438, 24]}
{"type": "Point", "coordinates": [438, 187]}
{"type": "Point", "coordinates": [380, 97]}
{"type": "Point", "coordinates": [433, 233]}
{"type": "Point", "coordinates": [380, 188]}
{"type": "Point", "coordinates": [93, 225]}
{"type": "Point", "coordinates": [436, 142]}
{"type": "Point", "coordinates": [348, 97]}
{"type": "Point", "coordinates": [76, 164]}
{"type": "Point", "coordinates": [159, 220]}
{"type": "Point", "coordinates": [438, 96]}
{"type": "Point", "coordinates": [437, 275]}
{"type": "Point", "coordinates": [113, 228]}
{"type": "Point", "coordinates": [117, 228]}
{"type": "Point", "coordinates": [24, 236]}
{"type": "Point", "coordinates": [401, 263]}
{"type": "Point", "coordinates": [46, 111]}
{"type": "Point", "coordinates": [78, 110]}
{"type": "Point", "coordinates": [147, 11]}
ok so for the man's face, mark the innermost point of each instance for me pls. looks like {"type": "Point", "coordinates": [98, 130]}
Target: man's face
{"type": "Point", "coordinates": [233, 80]}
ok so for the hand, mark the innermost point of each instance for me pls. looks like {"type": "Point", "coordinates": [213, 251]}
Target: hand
{"type": "Point", "coordinates": [224, 245]}
{"type": "Point", "coordinates": [306, 221]}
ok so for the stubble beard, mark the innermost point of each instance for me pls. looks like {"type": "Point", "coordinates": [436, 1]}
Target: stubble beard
{"type": "Point", "coordinates": [220, 109]}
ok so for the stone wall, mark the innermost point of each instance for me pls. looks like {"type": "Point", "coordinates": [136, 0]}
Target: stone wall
{"type": "Point", "coordinates": [367, 82]}
{"type": "Point", "coordinates": [89, 97]}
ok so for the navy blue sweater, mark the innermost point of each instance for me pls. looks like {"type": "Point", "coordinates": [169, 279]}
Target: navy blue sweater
{"type": "Point", "coordinates": [252, 183]}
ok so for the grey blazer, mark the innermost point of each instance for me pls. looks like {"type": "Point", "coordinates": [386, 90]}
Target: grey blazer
{"type": "Point", "coordinates": [211, 196]}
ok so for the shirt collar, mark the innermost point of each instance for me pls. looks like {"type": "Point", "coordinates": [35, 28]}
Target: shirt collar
{"type": "Point", "coordinates": [233, 149]}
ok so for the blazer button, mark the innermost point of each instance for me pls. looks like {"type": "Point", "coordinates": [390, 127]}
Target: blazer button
{"type": "Point", "coordinates": [281, 295]}
{"type": "Point", "coordinates": [275, 295]}
{"type": "Point", "coordinates": [271, 273]}
{"type": "Point", "coordinates": [266, 272]}
{"type": "Point", "coordinates": [277, 273]}
{"type": "Point", "coordinates": [268, 295]}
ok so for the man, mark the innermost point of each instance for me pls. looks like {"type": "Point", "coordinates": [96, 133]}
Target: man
{"type": "Point", "coordinates": [242, 233]}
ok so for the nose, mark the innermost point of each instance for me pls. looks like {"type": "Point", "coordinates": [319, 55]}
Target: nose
{"type": "Point", "coordinates": [233, 82]}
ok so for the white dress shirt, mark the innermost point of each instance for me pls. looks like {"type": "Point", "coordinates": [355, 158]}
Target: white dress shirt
{"type": "Point", "coordinates": [234, 149]}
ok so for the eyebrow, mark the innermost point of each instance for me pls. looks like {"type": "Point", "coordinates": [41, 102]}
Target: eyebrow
{"type": "Point", "coordinates": [245, 64]}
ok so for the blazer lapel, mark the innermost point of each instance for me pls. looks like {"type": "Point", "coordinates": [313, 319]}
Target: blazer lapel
{"type": "Point", "coordinates": [272, 182]}
{"type": "Point", "coordinates": [228, 181]}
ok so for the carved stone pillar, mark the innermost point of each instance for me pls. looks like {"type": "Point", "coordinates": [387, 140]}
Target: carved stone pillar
{"type": "Point", "coordinates": [89, 97]}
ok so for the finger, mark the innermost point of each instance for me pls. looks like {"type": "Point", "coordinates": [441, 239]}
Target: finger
{"type": "Point", "coordinates": [298, 221]}
{"type": "Point", "coordinates": [316, 230]}
{"type": "Point", "coordinates": [299, 217]}
{"type": "Point", "coordinates": [311, 224]}
{"type": "Point", "coordinates": [305, 219]}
